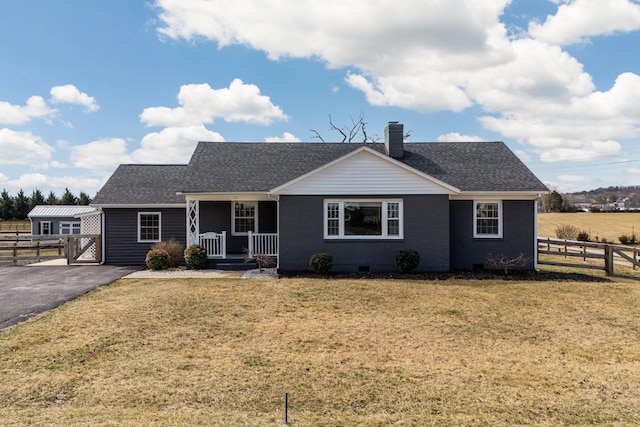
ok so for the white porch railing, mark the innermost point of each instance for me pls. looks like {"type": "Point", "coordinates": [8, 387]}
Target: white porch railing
{"type": "Point", "coordinates": [214, 243]}
{"type": "Point", "coordinates": [263, 244]}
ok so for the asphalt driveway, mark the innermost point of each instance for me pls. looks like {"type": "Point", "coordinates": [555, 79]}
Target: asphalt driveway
{"type": "Point", "coordinates": [28, 291]}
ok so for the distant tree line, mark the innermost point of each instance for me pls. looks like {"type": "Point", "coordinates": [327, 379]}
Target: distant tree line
{"type": "Point", "coordinates": [18, 206]}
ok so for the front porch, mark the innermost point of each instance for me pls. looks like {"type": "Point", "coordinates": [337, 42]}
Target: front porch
{"type": "Point", "coordinates": [232, 228]}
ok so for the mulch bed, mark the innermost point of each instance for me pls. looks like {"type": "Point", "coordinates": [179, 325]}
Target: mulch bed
{"type": "Point", "coordinates": [458, 275]}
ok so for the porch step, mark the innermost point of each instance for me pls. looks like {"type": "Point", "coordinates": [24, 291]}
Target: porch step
{"type": "Point", "coordinates": [231, 264]}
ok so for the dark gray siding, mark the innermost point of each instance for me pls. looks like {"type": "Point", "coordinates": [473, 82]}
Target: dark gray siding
{"type": "Point", "coordinates": [121, 233]}
{"type": "Point", "coordinates": [55, 224]}
{"type": "Point", "coordinates": [517, 238]}
{"type": "Point", "coordinates": [426, 229]}
{"type": "Point", "coordinates": [216, 216]}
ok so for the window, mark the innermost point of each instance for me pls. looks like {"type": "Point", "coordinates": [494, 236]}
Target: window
{"type": "Point", "coordinates": [45, 227]}
{"type": "Point", "coordinates": [148, 226]}
{"type": "Point", "coordinates": [488, 219]}
{"type": "Point", "coordinates": [244, 218]}
{"type": "Point", "coordinates": [363, 219]}
{"type": "Point", "coordinates": [70, 227]}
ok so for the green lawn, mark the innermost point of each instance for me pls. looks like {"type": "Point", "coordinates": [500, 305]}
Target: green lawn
{"type": "Point", "coordinates": [222, 352]}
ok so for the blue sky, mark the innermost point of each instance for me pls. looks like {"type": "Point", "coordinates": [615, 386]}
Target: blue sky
{"type": "Point", "coordinates": [85, 86]}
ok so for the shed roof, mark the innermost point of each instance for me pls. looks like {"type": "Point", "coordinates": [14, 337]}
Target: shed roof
{"type": "Point", "coordinates": [59, 211]}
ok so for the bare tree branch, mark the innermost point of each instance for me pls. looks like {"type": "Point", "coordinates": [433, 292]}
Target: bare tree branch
{"type": "Point", "coordinates": [316, 135]}
{"type": "Point", "coordinates": [350, 132]}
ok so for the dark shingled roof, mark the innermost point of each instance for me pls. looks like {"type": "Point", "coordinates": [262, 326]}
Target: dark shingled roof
{"type": "Point", "coordinates": [221, 167]}
{"type": "Point", "coordinates": [142, 184]}
{"type": "Point", "coordinates": [247, 167]}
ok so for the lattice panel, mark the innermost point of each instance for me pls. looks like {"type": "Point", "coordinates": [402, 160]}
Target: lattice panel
{"type": "Point", "coordinates": [193, 219]}
{"type": "Point", "coordinates": [90, 224]}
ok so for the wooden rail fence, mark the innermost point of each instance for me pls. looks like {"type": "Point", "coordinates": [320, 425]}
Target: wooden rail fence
{"type": "Point", "coordinates": [602, 256]}
{"type": "Point", "coordinates": [19, 250]}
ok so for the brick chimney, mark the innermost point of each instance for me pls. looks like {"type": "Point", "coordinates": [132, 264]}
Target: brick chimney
{"type": "Point", "coordinates": [394, 140]}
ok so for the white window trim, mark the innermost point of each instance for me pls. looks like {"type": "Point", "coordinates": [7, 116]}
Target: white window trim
{"type": "Point", "coordinates": [233, 218]}
{"type": "Point", "coordinates": [477, 235]}
{"type": "Point", "coordinates": [41, 228]}
{"type": "Point", "coordinates": [159, 227]}
{"type": "Point", "coordinates": [70, 224]}
{"type": "Point", "coordinates": [384, 219]}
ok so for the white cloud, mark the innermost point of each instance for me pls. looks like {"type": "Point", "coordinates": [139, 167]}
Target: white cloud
{"type": "Point", "coordinates": [286, 137]}
{"type": "Point", "coordinates": [444, 55]}
{"type": "Point", "coordinates": [407, 53]}
{"type": "Point", "coordinates": [578, 19]}
{"type": "Point", "coordinates": [23, 148]}
{"type": "Point", "coordinates": [100, 155]}
{"type": "Point", "coordinates": [173, 145]}
{"type": "Point", "coordinates": [200, 104]}
{"type": "Point", "coordinates": [57, 184]}
{"type": "Point", "coordinates": [455, 137]}
{"type": "Point", "coordinates": [36, 107]}
{"type": "Point", "coordinates": [69, 94]}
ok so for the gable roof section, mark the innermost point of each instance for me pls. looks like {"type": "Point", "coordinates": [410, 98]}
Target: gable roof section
{"type": "Point", "coordinates": [367, 172]}
{"type": "Point", "coordinates": [143, 185]}
{"type": "Point", "coordinates": [224, 167]}
{"type": "Point", "coordinates": [59, 211]}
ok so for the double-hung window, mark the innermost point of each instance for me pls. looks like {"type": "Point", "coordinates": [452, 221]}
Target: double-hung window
{"type": "Point", "coordinates": [149, 227]}
{"type": "Point", "coordinates": [245, 216]}
{"type": "Point", "coordinates": [70, 227]}
{"type": "Point", "coordinates": [363, 219]}
{"type": "Point", "coordinates": [488, 219]}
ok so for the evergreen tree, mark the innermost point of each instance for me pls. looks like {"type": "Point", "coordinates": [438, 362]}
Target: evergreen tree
{"type": "Point", "coordinates": [68, 198]}
{"type": "Point", "coordinates": [36, 199]}
{"type": "Point", "coordinates": [52, 199]}
{"type": "Point", "coordinates": [21, 205]}
{"type": "Point", "coordinates": [84, 199]}
{"type": "Point", "coordinates": [6, 206]}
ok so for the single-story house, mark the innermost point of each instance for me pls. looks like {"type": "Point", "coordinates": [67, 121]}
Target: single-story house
{"type": "Point", "coordinates": [455, 203]}
{"type": "Point", "coordinates": [57, 219]}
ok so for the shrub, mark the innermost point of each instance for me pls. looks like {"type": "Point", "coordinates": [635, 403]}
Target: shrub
{"type": "Point", "coordinates": [321, 262]}
{"type": "Point", "coordinates": [407, 260]}
{"type": "Point", "coordinates": [196, 257]}
{"type": "Point", "coordinates": [568, 232]}
{"type": "Point", "coordinates": [505, 262]}
{"type": "Point", "coordinates": [583, 236]}
{"type": "Point", "coordinates": [175, 251]}
{"type": "Point", "coordinates": [625, 239]}
{"type": "Point", "coordinates": [157, 259]}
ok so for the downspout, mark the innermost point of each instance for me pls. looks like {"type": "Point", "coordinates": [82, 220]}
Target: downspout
{"type": "Point", "coordinates": [104, 237]}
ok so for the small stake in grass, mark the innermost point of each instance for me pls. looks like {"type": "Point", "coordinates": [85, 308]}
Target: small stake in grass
{"type": "Point", "coordinates": [286, 409]}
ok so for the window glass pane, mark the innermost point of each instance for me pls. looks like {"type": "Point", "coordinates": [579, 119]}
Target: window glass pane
{"type": "Point", "coordinates": [149, 227]}
{"type": "Point", "coordinates": [393, 219]}
{"type": "Point", "coordinates": [244, 217]}
{"type": "Point", "coordinates": [363, 218]}
{"type": "Point", "coordinates": [488, 218]}
{"type": "Point", "coordinates": [333, 219]}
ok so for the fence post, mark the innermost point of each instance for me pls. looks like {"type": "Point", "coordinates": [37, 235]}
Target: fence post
{"type": "Point", "coordinates": [608, 260]}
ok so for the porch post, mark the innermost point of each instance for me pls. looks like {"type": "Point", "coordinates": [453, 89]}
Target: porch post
{"type": "Point", "coordinates": [193, 221]}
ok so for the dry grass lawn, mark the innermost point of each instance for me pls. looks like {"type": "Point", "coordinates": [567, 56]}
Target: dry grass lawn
{"type": "Point", "coordinates": [607, 225]}
{"type": "Point", "coordinates": [351, 352]}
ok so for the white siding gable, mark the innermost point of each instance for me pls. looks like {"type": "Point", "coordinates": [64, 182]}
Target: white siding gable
{"type": "Point", "coordinates": [365, 173]}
